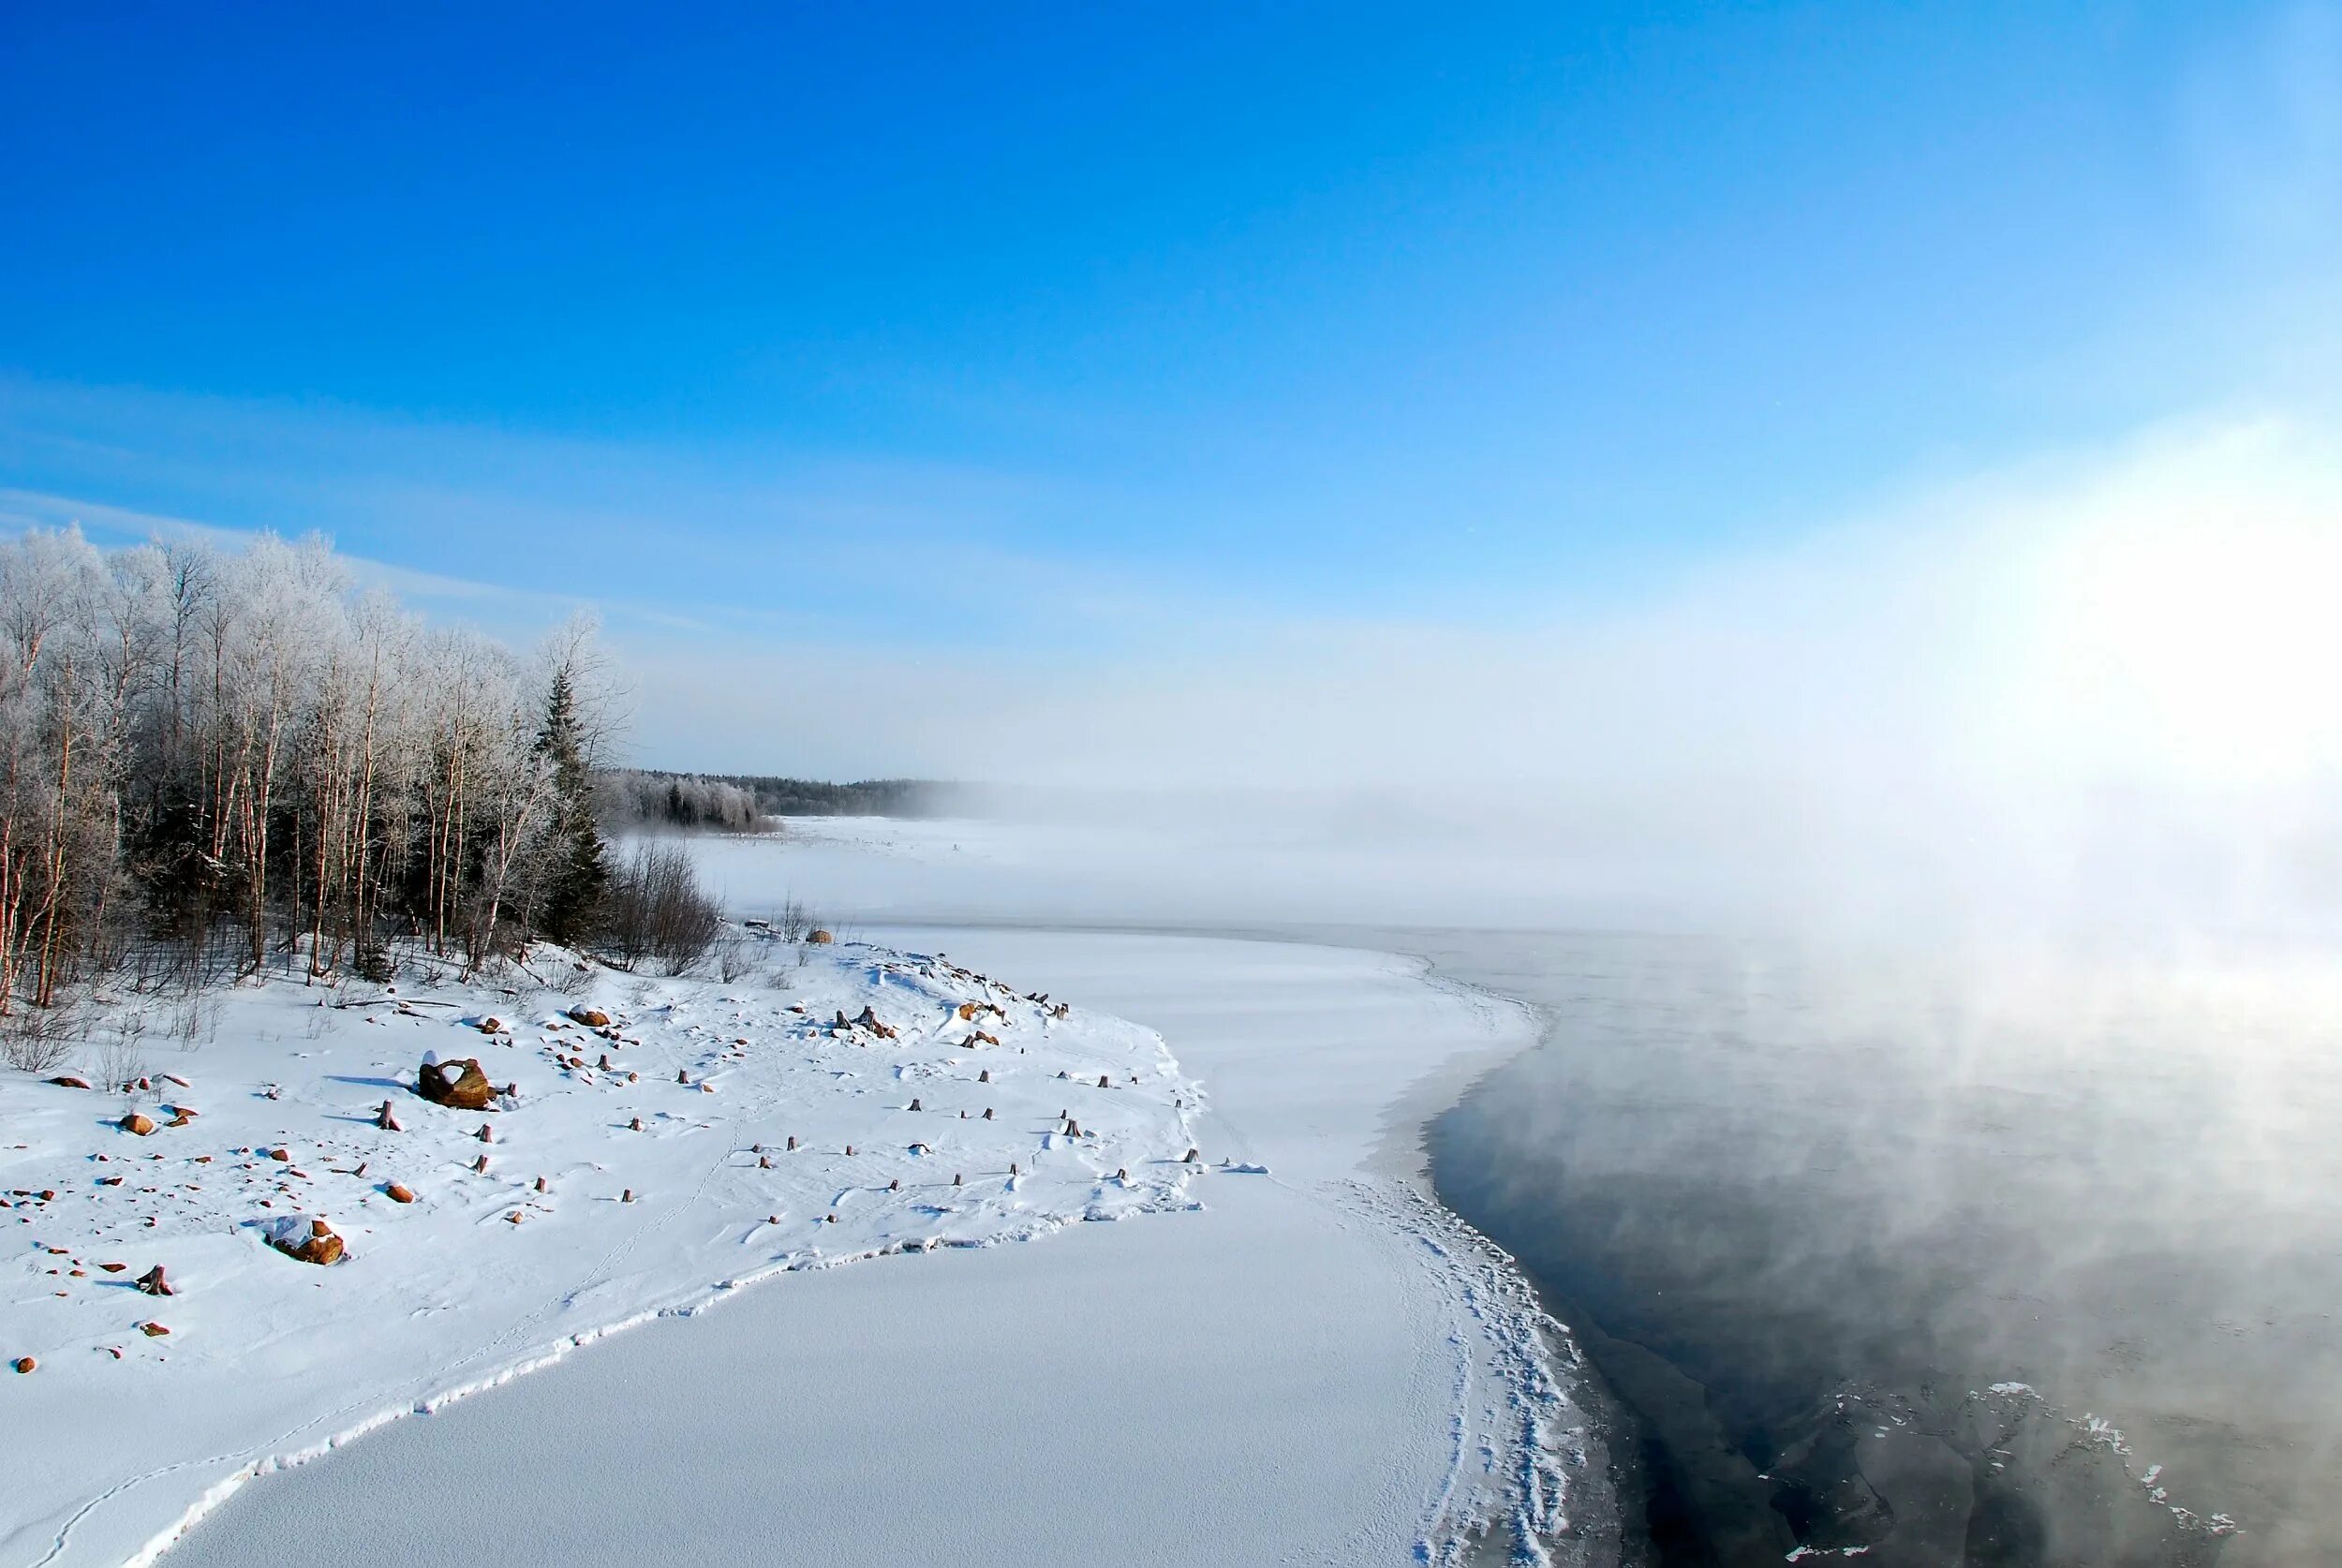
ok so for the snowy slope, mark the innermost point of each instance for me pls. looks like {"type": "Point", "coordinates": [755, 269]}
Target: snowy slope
{"type": "Point", "coordinates": [667, 1179]}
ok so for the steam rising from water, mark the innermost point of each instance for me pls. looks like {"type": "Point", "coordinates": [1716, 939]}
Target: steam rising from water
{"type": "Point", "coordinates": [2091, 696]}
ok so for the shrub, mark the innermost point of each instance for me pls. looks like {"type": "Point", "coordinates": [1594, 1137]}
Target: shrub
{"type": "Point", "coordinates": [654, 911]}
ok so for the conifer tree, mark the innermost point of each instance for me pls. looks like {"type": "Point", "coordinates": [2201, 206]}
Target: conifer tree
{"type": "Point", "coordinates": [577, 866]}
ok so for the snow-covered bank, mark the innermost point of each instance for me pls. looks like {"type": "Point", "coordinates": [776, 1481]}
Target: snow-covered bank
{"type": "Point", "coordinates": [711, 1133]}
{"type": "Point", "coordinates": [1317, 1366]}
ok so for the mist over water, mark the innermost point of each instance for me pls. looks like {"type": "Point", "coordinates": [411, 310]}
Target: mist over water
{"type": "Point", "coordinates": [1807, 1209]}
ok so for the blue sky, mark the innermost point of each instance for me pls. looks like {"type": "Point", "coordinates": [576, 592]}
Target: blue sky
{"type": "Point", "coordinates": [1451, 316]}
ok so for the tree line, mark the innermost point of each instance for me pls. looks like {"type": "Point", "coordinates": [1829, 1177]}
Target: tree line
{"type": "Point", "coordinates": [633, 798]}
{"type": "Point", "coordinates": [223, 759]}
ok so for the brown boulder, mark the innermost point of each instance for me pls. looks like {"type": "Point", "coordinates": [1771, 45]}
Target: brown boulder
{"type": "Point", "coordinates": [152, 1330]}
{"type": "Point", "coordinates": [311, 1241]}
{"type": "Point", "coordinates": [592, 1017]}
{"type": "Point", "coordinates": [24, 1363]}
{"type": "Point", "coordinates": [818, 934]}
{"type": "Point", "coordinates": [457, 1084]}
{"type": "Point", "coordinates": [136, 1122]}
{"type": "Point", "coordinates": [399, 1192]}
{"type": "Point", "coordinates": [67, 1080]}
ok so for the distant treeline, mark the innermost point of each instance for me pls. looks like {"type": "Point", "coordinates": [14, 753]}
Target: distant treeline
{"type": "Point", "coordinates": [741, 803]}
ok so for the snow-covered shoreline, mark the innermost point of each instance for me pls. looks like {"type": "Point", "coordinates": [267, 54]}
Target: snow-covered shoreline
{"type": "Point", "coordinates": [737, 1130]}
{"type": "Point", "coordinates": [1318, 1365]}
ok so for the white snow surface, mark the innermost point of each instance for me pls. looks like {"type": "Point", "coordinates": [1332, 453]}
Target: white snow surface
{"type": "Point", "coordinates": [1304, 1360]}
{"type": "Point", "coordinates": [118, 1439]}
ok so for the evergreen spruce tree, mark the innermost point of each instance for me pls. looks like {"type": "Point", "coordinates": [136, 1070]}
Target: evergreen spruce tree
{"type": "Point", "coordinates": [579, 861]}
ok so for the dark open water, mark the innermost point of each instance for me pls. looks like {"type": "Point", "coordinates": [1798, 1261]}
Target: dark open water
{"type": "Point", "coordinates": [1814, 1219]}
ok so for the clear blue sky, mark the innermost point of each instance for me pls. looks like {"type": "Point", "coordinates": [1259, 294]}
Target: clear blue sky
{"type": "Point", "coordinates": [1449, 311]}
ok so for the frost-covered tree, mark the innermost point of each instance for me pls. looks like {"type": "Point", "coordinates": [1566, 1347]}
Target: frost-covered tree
{"type": "Point", "coordinates": [223, 760]}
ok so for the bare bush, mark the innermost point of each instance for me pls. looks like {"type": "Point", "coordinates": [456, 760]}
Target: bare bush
{"type": "Point", "coordinates": [118, 1060]}
{"type": "Point", "coordinates": [654, 911]}
{"type": "Point", "coordinates": [735, 958]}
{"type": "Point", "coordinates": [792, 922]}
{"type": "Point", "coordinates": [35, 1039]}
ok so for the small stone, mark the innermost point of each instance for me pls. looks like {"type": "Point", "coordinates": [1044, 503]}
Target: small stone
{"type": "Point", "coordinates": [627, 1196]}
{"type": "Point", "coordinates": [985, 1076]}
{"type": "Point", "coordinates": [152, 1330]}
{"type": "Point", "coordinates": [635, 1125]}
{"type": "Point", "coordinates": [988, 1112]}
{"type": "Point", "coordinates": [592, 1017]}
{"type": "Point", "coordinates": [481, 1165]}
{"type": "Point", "coordinates": [1102, 1080]}
{"type": "Point", "coordinates": [114, 1267]}
{"type": "Point", "coordinates": [682, 1074]}
{"type": "Point", "coordinates": [542, 1186]}
{"type": "Point", "coordinates": [1191, 1158]}
{"type": "Point", "coordinates": [763, 1162]}
{"type": "Point", "coordinates": [896, 1185]}
{"type": "Point", "coordinates": [25, 1363]}
{"type": "Point", "coordinates": [284, 1154]}
{"type": "Point", "coordinates": [488, 1133]}
{"type": "Point", "coordinates": [399, 1192]}
{"type": "Point", "coordinates": [142, 1125]}
{"type": "Point", "coordinates": [793, 1144]}
{"type": "Point", "coordinates": [67, 1080]}
{"type": "Point", "coordinates": [915, 1102]}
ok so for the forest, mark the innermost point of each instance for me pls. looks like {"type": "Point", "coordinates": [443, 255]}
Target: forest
{"type": "Point", "coordinates": [214, 761]}
{"type": "Point", "coordinates": [744, 803]}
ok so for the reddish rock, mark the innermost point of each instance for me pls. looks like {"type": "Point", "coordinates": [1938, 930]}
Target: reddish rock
{"type": "Point", "coordinates": [490, 1026]}
{"type": "Point", "coordinates": [385, 1120]}
{"type": "Point", "coordinates": [311, 1241]}
{"type": "Point", "coordinates": [153, 1282]}
{"type": "Point", "coordinates": [67, 1080]}
{"type": "Point", "coordinates": [114, 1267]}
{"type": "Point", "coordinates": [399, 1192]}
{"type": "Point", "coordinates": [24, 1364]}
{"type": "Point", "coordinates": [819, 935]}
{"type": "Point", "coordinates": [152, 1330]}
{"type": "Point", "coordinates": [592, 1017]}
{"type": "Point", "coordinates": [142, 1125]}
{"type": "Point", "coordinates": [284, 1154]}
{"type": "Point", "coordinates": [458, 1084]}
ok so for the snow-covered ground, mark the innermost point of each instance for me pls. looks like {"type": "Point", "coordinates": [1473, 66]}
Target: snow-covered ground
{"type": "Point", "coordinates": [712, 1134]}
{"type": "Point", "coordinates": [1315, 1365]}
